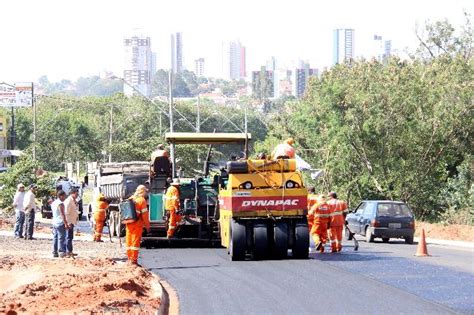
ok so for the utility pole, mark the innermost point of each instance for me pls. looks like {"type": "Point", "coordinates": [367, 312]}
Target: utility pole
{"type": "Point", "coordinates": [245, 118]}
{"type": "Point", "coordinates": [161, 126]}
{"type": "Point", "coordinates": [110, 132]}
{"type": "Point", "coordinates": [170, 99]}
{"type": "Point", "coordinates": [198, 122]}
{"type": "Point", "coordinates": [34, 126]}
{"type": "Point", "coordinates": [13, 136]}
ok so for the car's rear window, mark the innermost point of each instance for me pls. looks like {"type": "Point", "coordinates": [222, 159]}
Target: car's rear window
{"type": "Point", "coordinates": [393, 210]}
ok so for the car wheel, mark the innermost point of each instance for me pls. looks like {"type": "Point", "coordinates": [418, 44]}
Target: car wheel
{"type": "Point", "coordinates": [409, 239]}
{"type": "Point", "coordinates": [385, 239]}
{"type": "Point", "coordinates": [348, 234]}
{"type": "Point", "coordinates": [369, 237]}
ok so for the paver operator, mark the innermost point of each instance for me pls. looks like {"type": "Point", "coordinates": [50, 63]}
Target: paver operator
{"type": "Point", "coordinates": [159, 152]}
{"type": "Point", "coordinates": [284, 150]}
{"type": "Point", "coordinates": [172, 206]}
{"type": "Point", "coordinates": [134, 230]}
{"type": "Point", "coordinates": [319, 230]}
{"type": "Point", "coordinates": [338, 211]}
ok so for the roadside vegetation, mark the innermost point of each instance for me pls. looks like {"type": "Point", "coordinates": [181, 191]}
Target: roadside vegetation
{"type": "Point", "coordinates": [397, 129]}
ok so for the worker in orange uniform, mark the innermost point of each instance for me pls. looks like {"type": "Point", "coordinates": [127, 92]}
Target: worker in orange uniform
{"type": "Point", "coordinates": [172, 206]}
{"type": "Point", "coordinates": [284, 150]}
{"type": "Point", "coordinates": [99, 216]}
{"type": "Point", "coordinates": [312, 199]}
{"type": "Point", "coordinates": [338, 211]}
{"type": "Point", "coordinates": [319, 230]}
{"type": "Point", "coordinates": [134, 230]}
{"type": "Point", "coordinates": [160, 151]}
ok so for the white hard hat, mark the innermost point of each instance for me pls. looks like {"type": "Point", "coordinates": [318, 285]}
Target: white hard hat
{"type": "Point", "coordinates": [175, 182]}
{"type": "Point", "coordinates": [20, 186]}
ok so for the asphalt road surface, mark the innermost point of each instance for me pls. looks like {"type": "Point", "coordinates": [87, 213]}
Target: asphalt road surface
{"type": "Point", "coordinates": [379, 278]}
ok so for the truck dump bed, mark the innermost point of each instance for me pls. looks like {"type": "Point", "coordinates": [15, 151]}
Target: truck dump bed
{"type": "Point", "coordinates": [118, 181]}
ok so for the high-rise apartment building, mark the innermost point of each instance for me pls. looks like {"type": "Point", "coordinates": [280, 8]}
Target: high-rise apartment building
{"type": "Point", "coordinates": [177, 52]}
{"type": "Point", "coordinates": [199, 67]}
{"type": "Point", "coordinates": [138, 65]}
{"type": "Point", "coordinates": [271, 64]}
{"type": "Point", "coordinates": [300, 78]}
{"type": "Point", "coordinates": [235, 61]}
{"type": "Point", "coordinates": [343, 41]}
{"type": "Point", "coordinates": [387, 49]}
{"type": "Point", "coordinates": [382, 49]}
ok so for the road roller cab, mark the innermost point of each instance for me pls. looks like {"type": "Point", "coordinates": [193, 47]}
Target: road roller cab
{"type": "Point", "coordinates": [263, 207]}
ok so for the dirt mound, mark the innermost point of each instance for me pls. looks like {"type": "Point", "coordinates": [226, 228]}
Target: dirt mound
{"type": "Point", "coordinates": [454, 232]}
{"type": "Point", "coordinates": [76, 286]}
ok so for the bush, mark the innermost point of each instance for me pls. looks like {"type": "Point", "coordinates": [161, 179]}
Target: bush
{"type": "Point", "coordinates": [458, 196]}
{"type": "Point", "coordinates": [24, 171]}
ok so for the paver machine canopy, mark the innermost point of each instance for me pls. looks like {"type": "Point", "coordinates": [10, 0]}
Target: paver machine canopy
{"type": "Point", "coordinates": [199, 194]}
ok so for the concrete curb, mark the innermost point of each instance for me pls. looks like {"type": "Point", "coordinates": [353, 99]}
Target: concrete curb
{"type": "Point", "coordinates": [170, 305]}
{"type": "Point", "coordinates": [435, 241]}
{"type": "Point", "coordinates": [160, 293]}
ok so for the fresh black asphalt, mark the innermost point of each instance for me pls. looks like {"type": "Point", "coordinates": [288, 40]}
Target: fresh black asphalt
{"type": "Point", "coordinates": [380, 278]}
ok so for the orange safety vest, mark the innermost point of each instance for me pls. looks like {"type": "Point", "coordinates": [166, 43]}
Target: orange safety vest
{"type": "Point", "coordinates": [172, 198]}
{"type": "Point", "coordinates": [101, 206]}
{"type": "Point", "coordinates": [321, 212]}
{"type": "Point", "coordinates": [312, 200]}
{"type": "Point", "coordinates": [338, 209]}
{"type": "Point", "coordinates": [141, 208]}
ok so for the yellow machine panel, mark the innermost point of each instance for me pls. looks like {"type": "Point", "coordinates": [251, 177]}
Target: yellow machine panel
{"type": "Point", "coordinates": [263, 206]}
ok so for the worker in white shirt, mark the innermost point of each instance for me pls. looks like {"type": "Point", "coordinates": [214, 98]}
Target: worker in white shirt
{"type": "Point", "coordinates": [29, 206]}
{"type": "Point", "coordinates": [19, 212]}
{"type": "Point", "coordinates": [70, 207]}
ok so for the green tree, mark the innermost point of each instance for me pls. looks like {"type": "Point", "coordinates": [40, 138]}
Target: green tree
{"type": "Point", "coordinates": [22, 172]}
{"type": "Point", "coordinates": [395, 131]}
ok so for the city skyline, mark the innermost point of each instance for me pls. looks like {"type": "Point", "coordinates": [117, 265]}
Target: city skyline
{"type": "Point", "coordinates": [56, 34]}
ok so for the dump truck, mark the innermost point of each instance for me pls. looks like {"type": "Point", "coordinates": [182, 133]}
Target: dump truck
{"type": "Point", "coordinates": [118, 181]}
{"type": "Point", "coordinates": [262, 209]}
{"type": "Point", "coordinates": [255, 208]}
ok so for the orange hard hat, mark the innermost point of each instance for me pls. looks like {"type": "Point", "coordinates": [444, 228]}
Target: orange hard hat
{"type": "Point", "coordinates": [290, 141]}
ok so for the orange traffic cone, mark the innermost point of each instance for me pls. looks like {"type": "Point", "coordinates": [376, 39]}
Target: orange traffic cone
{"type": "Point", "coordinates": [422, 250]}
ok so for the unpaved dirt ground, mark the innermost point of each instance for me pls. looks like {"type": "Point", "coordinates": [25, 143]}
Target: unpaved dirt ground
{"type": "Point", "coordinates": [76, 286]}
{"type": "Point", "coordinates": [97, 281]}
{"type": "Point", "coordinates": [454, 232]}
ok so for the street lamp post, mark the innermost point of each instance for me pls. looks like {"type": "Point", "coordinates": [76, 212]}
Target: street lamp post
{"type": "Point", "coordinates": [110, 132]}
{"type": "Point", "coordinates": [170, 99]}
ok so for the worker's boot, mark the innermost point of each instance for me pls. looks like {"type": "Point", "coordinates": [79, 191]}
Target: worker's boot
{"type": "Point", "coordinates": [319, 245]}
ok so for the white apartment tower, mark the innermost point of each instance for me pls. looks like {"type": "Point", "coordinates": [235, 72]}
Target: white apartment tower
{"type": "Point", "coordinates": [138, 65]}
{"type": "Point", "coordinates": [177, 52]}
{"type": "Point", "coordinates": [199, 67]}
{"type": "Point", "coordinates": [235, 66]}
{"type": "Point", "coordinates": [343, 41]}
